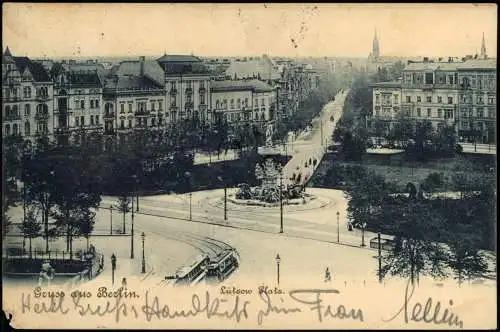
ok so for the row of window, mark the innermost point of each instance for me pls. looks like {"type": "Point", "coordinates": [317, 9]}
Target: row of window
{"type": "Point", "coordinates": [222, 104]}
{"type": "Point", "coordinates": [479, 113]}
{"type": "Point", "coordinates": [231, 117]}
{"type": "Point", "coordinates": [80, 104]}
{"type": "Point", "coordinates": [188, 99]}
{"type": "Point", "coordinates": [428, 99]}
{"type": "Point", "coordinates": [13, 111]}
{"type": "Point", "coordinates": [142, 106]}
{"type": "Point", "coordinates": [40, 92]}
{"type": "Point", "coordinates": [80, 121]}
{"type": "Point", "coordinates": [42, 127]}
{"type": "Point", "coordinates": [479, 99]}
{"type": "Point", "coordinates": [188, 84]}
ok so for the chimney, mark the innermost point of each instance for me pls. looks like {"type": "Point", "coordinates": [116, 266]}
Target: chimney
{"type": "Point", "coordinates": [141, 60]}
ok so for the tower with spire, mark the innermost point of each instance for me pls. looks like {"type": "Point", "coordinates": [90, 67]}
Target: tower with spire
{"type": "Point", "coordinates": [376, 47]}
{"type": "Point", "coordinates": [483, 54]}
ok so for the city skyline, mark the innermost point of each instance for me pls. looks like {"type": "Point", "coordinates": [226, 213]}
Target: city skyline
{"type": "Point", "coordinates": [287, 30]}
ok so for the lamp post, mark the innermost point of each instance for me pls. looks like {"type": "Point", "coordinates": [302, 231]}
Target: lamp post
{"type": "Point", "coordinates": [137, 192]}
{"type": "Point", "coordinates": [132, 227]}
{"type": "Point", "coordinates": [143, 237]}
{"type": "Point", "coordinates": [111, 219]}
{"type": "Point", "coordinates": [338, 229]}
{"type": "Point", "coordinates": [113, 268]}
{"type": "Point", "coordinates": [281, 198]}
{"type": "Point", "coordinates": [363, 226]}
{"type": "Point", "coordinates": [278, 260]}
{"type": "Point", "coordinates": [188, 177]}
{"type": "Point", "coordinates": [225, 197]}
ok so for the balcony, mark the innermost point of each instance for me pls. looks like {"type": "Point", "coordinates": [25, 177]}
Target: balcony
{"type": "Point", "coordinates": [12, 99]}
{"type": "Point", "coordinates": [12, 117]}
{"type": "Point", "coordinates": [41, 116]}
{"type": "Point", "coordinates": [42, 97]}
{"type": "Point", "coordinates": [142, 113]}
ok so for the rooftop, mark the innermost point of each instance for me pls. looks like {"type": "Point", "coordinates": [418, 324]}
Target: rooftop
{"type": "Point", "coordinates": [254, 68]}
{"type": "Point", "coordinates": [133, 68]}
{"type": "Point", "coordinates": [478, 64]}
{"type": "Point", "coordinates": [239, 85]}
{"type": "Point", "coordinates": [36, 69]}
{"type": "Point", "coordinates": [131, 83]}
{"type": "Point", "coordinates": [391, 84]}
{"type": "Point", "coordinates": [178, 58]}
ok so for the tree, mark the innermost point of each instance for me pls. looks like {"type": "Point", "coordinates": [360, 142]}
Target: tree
{"type": "Point", "coordinates": [402, 130]}
{"type": "Point", "coordinates": [124, 206]}
{"type": "Point", "coordinates": [31, 226]}
{"type": "Point", "coordinates": [432, 182]}
{"type": "Point", "coordinates": [416, 251]}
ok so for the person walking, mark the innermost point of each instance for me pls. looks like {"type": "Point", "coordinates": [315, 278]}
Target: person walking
{"type": "Point", "coordinates": [328, 276]}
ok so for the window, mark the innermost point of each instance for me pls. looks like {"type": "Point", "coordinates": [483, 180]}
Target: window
{"type": "Point", "coordinates": [129, 123]}
{"type": "Point", "coordinates": [480, 113]}
{"type": "Point", "coordinates": [491, 100]}
{"type": "Point", "coordinates": [377, 99]}
{"type": "Point", "coordinates": [82, 104]}
{"type": "Point", "coordinates": [160, 105]}
{"type": "Point", "coordinates": [189, 98]}
{"type": "Point", "coordinates": [173, 101]}
{"type": "Point", "coordinates": [7, 129]}
{"type": "Point", "coordinates": [97, 103]}
{"type": "Point", "coordinates": [450, 79]}
{"type": "Point", "coordinates": [419, 112]}
{"type": "Point", "coordinates": [77, 122]}
{"type": "Point", "coordinates": [470, 113]}
{"type": "Point", "coordinates": [27, 128]}
{"type": "Point", "coordinates": [429, 99]}
{"type": "Point", "coordinates": [225, 103]}
{"type": "Point", "coordinates": [217, 104]}
{"type": "Point", "coordinates": [172, 85]}
{"type": "Point", "coordinates": [440, 99]}
{"type": "Point", "coordinates": [160, 121]}
{"type": "Point", "coordinates": [263, 101]}
{"type": "Point", "coordinates": [152, 103]}
{"type": "Point", "coordinates": [246, 102]}
{"type": "Point", "coordinates": [27, 110]}
{"type": "Point", "coordinates": [429, 112]}
{"type": "Point", "coordinates": [82, 121]}
{"type": "Point", "coordinates": [256, 103]}
{"type": "Point", "coordinates": [408, 99]}
{"type": "Point", "coordinates": [122, 107]}
{"type": "Point", "coordinates": [130, 107]}
{"type": "Point", "coordinates": [450, 100]}
{"type": "Point", "coordinates": [91, 103]}
{"type": "Point", "coordinates": [479, 99]}
{"type": "Point", "coordinates": [238, 103]}
{"type": "Point", "coordinates": [153, 122]}
{"type": "Point", "coordinates": [122, 124]}
{"type": "Point", "coordinates": [77, 104]}
{"type": "Point", "coordinates": [91, 120]}
{"type": "Point", "coordinates": [440, 113]}
{"type": "Point", "coordinates": [419, 99]}
{"type": "Point", "coordinates": [448, 114]}
{"type": "Point", "coordinates": [232, 103]}
{"type": "Point", "coordinates": [396, 98]}
{"type": "Point", "coordinates": [429, 78]}
{"type": "Point", "coordinates": [97, 119]}
{"type": "Point", "coordinates": [15, 129]}
{"type": "Point", "coordinates": [202, 99]}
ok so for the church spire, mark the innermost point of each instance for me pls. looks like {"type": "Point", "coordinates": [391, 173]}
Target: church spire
{"type": "Point", "coordinates": [483, 49]}
{"type": "Point", "coordinates": [376, 47]}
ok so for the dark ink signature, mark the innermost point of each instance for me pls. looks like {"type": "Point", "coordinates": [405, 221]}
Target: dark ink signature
{"type": "Point", "coordinates": [431, 314]}
{"type": "Point", "coordinates": [271, 308]}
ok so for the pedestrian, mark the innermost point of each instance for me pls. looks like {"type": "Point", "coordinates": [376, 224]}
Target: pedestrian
{"type": "Point", "coordinates": [124, 282]}
{"type": "Point", "coordinates": [328, 276]}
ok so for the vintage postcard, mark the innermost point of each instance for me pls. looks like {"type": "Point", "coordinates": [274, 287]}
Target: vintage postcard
{"type": "Point", "coordinates": [249, 166]}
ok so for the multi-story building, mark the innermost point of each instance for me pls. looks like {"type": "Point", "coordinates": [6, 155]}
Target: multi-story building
{"type": "Point", "coordinates": [459, 94]}
{"type": "Point", "coordinates": [477, 86]}
{"type": "Point", "coordinates": [133, 103]}
{"type": "Point", "coordinates": [27, 98]}
{"type": "Point", "coordinates": [77, 103]}
{"type": "Point", "coordinates": [187, 88]}
{"type": "Point", "coordinates": [243, 102]}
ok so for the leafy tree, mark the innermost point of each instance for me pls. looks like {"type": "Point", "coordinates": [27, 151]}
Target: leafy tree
{"type": "Point", "coordinates": [124, 206]}
{"type": "Point", "coordinates": [31, 226]}
{"type": "Point", "coordinates": [415, 250]}
{"type": "Point", "coordinates": [432, 181]}
{"type": "Point", "coordinates": [402, 129]}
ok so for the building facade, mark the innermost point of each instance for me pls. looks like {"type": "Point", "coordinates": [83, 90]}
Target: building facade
{"type": "Point", "coordinates": [27, 98]}
{"type": "Point", "coordinates": [458, 94]}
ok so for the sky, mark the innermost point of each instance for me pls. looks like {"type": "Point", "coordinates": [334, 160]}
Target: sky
{"type": "Point", "coordinates": [86, 29]}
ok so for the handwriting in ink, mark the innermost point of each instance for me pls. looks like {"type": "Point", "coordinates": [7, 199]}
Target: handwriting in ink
{"type": "Point", "coordinates": [210, 307]}
{"type": "Point", "coordinates": [271, 308]}
{"type": "Point", "coordinates": [339, 312]}
{"type": "Point", "coordinates": [55, 305]}
{"type": "Point", "coordinates": [118, 308]}
{"type": "Point", "coordinates": [447, 317]}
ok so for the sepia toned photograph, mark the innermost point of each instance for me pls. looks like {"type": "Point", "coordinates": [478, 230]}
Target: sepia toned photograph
{"type": "Point", "coordinates": [249, 166]}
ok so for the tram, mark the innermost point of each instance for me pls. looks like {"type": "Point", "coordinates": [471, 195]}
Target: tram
{"type": "Point", "coordinates": [222, 266]}
{"type": "Point", "coordinates": [194, 273]}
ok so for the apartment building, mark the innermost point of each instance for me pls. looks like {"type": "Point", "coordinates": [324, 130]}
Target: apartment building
{"type": "Point", "coordinates": [27, 98]}
{"type": "Point", "coordinates": [238, 102]}
{"type": "Point", "coordinates": [460, 94]}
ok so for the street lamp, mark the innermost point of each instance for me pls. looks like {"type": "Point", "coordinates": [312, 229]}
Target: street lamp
{"type": "Point", "coordinates": [278, 260]}
{"type": "Point", "coordinates": [111, 220]}
{"type": "Point", "coordinates": [137, 192]}
{"type": "Point", "coordinates": [225, 197]}
{"type": "Point", "coordinates": [280, 169]}
{"type": "Point", "coordinates": [363, 226]}
{"type": "Point", "coordinates": [338, 229]}
{"type": "Point", "coordinates": [132, 227]}
{"type": "Point", "coordinates": [143, 237]}
{"type": "Point", "coordinates": [188, 177]}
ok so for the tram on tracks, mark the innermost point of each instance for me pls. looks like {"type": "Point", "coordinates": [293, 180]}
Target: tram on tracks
{"type": "Point", "coordinates": [194, 273]}
{"type": "Point", "coordinates": [222, 266]}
